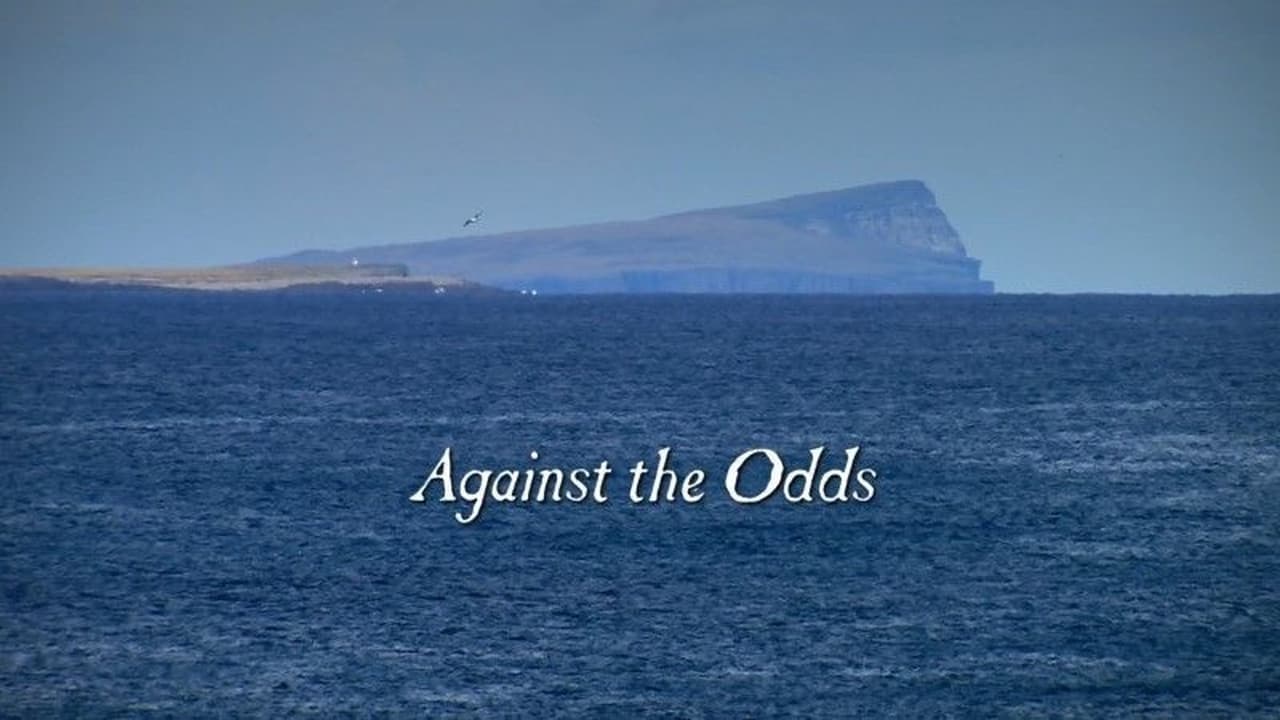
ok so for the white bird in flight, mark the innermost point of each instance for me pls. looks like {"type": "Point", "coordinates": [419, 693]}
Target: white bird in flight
{"type": "Point", "coordinates": [473, 219]}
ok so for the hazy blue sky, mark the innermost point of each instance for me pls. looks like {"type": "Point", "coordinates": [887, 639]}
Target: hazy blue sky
{"type": "Point", "coordinates": [1076, 146]}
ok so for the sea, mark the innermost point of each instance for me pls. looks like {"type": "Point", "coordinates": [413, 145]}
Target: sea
{"type": "Point", "coordinates": [205, 506]}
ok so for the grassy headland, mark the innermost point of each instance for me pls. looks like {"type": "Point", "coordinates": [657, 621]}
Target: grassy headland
{"type": "Point", "coordinates": [241, 277]}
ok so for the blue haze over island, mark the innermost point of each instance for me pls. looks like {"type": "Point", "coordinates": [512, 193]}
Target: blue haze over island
{"type": "Point", "coordinates": [882, 238]}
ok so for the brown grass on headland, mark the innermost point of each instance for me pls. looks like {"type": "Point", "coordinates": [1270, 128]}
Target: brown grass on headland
{"type": "Point", "coordinates": [237, 277]}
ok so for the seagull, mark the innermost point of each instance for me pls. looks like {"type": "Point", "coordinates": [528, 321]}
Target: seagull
{"type": "Point", "coordinates": [473, 219]}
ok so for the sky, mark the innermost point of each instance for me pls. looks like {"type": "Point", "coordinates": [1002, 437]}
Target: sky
{"type": "Point", "coordinates": [1120, 146]}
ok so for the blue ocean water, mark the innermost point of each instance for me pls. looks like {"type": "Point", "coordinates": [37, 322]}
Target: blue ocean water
{"type": "Point", "coordinates": [205, 507]}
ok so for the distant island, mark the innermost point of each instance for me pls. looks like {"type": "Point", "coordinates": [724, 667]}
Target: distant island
{"type": "Point", "coordinates": [873, 239]}
{"type": "Point", "coordinates": [883, 238]}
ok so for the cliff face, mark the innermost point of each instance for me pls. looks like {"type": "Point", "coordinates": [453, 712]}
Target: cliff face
{"type": "Point", "coordinates": [882, 238]}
